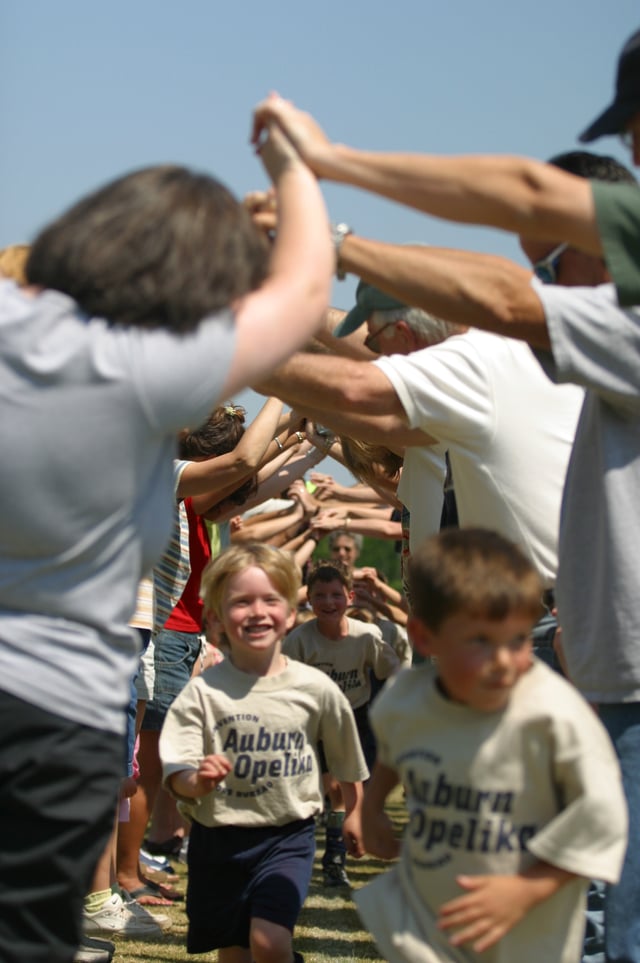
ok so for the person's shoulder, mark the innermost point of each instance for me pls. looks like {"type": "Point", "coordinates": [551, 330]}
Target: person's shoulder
{"type": "Point", "coordinates": [303, 676]}
{"type": "Point", "coordinates": [302, 632]}
{"type": "Point", "coordinates": [548, 697]}
{"type": "Point", "coordinates": [410, 686]}
{"type": "Point", "coordinates": [362, 631]}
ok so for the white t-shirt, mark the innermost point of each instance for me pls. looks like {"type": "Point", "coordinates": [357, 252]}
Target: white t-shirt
{"type": "Point", "coordinates": [88, 430]}
{"type": "Point", "coordinates": [507, 428]}
{"type": "Point", "coordinates": [493, 792]}
{"type": "Point", "coordinates": [269, 728]}
{"type": "Point", "coordinates": [421, 490]}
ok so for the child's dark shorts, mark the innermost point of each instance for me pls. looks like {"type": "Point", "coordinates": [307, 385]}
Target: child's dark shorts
{"type": "Point", "coordinates": [236, 874]}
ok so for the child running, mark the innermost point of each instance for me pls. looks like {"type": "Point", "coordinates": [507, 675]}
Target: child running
{"type": "Point", "coordinates": [512, 786]}
{"type": "Point", "coordinates": [348, 651]}
{"type": "Point", "coordinates": [239, 750]}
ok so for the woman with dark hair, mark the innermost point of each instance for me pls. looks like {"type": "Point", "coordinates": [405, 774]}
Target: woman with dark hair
{"type": "Point", "coordinates": [150, 301]}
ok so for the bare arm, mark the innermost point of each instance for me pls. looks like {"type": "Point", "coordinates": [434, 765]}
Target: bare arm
{"type": "Point", "coordinates": [377, 830]}
{"type": "Point", "coordinates": [226, 472]}
{"type": "Point", "coordinates": [334, 519]}
{"type": "Point", "coordinates": [515, 194]}
{"type": "Point", "coordinates": [331, 384]}
{"type": "Point", "coordinates": [481, 290]}
{"type": "Point", "coordinates": [352, 827]}
{"type": "Point", "coordinates": [284, 312]}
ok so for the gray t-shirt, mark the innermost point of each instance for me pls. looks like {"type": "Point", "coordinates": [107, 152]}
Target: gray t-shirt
{"type": "Point", "coordinates": [596, 344]}
{"type": "Point", "coordinates": [90, 416]}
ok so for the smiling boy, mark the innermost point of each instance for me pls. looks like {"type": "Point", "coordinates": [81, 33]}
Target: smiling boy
{"type": "Point", "coordinates": [512, 786]}
{"type": "Point", "coordinates": [348, 651]}
{"type": "Point", "coordinates": [240, 750]}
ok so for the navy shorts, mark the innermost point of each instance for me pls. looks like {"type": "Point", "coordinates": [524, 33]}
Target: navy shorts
{"type": "Point", "coordinates": [238, 874]}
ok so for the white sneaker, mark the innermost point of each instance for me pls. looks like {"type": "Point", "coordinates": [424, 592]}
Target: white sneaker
{"type": "Point", "coordinates": [116, 918]}
{"type": "Point", "coordinates": [143, 913]}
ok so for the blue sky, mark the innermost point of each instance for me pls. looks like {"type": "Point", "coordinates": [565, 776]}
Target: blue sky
{"type": "Point", "coordinates": [90, 90]}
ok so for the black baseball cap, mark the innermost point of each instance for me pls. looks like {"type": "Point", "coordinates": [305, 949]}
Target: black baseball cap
{"type": "Point", "coordinates": [626, 102]}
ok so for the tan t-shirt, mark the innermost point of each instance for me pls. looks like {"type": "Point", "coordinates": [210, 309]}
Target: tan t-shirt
{"type": "Point", "coordinates": [269, 728]}
{"type": "Point", "coordinates": [347, 660]}
{"type": "Point", "coordinates": [494, 793]}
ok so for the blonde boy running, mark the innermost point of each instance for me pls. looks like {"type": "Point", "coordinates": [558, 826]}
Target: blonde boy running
{"type": "Point", "coordinates": [239, 749]}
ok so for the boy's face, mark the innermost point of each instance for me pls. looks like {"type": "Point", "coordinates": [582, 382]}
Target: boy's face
{"type": "Point", "coordinates": [479, 660]}
{"type": "Point", "coordinates": [255, 616]}
{"type": "Point", "coordinates": [329, 600]}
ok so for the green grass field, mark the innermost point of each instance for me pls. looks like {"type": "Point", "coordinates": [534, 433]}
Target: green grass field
{"type": "Point", "coordinates": [328, 929]}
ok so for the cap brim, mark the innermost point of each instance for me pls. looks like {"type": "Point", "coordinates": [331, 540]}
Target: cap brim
{"type": "Point", "coordinates": [611, 121]}
{"type": "Point", "coordinates": [352, 321]}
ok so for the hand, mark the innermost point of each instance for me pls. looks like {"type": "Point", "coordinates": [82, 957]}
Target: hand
{"type": "Point", "coordinates": [298, 491]}
{"type": "Point", "coordinates": [491, 907]}
{"type": "Point", "coordinates": [379, 837]}
{"type": "Point", "coordinates": [263, 208]}
{"type": "Point", "coordinates": [352, 834]}
{"type": "Point", "coordinates": [325, 485]}
{"type": "Point", "coordinates": [302, 131]}
{"type": "Point", "coordinates": [328, 520]}
{"type": "Point", "coordinates": [212, 770]}
{"type": "Point", "coordinates": [276, 153]}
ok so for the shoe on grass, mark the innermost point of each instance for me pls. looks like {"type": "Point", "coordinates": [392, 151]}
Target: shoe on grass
{"type": "Point", "coordinates": [335, 875]}
{"type": "Point", "coordinates": [117, 918]}
{"type": "Point", "coordinates": [94, 951]}
{"type": "Point", "coordinates": [143, 913]}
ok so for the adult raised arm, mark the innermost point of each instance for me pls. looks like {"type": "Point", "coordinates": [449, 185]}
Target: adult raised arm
{"type": "Point", "coordinates": [516, 194]}
{"type": "Point", "coordinates": [284, 312]}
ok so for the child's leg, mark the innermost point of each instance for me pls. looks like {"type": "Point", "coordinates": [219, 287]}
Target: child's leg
{"type": "Point", "coordinates": [234, 954]}
{"type": "Point", "coordinates": [335, 854]}
{"type": "Point", "coordinates": [270, 943]}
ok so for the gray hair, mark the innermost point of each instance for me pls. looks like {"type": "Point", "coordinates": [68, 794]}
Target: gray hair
{"type": "Point", "coordinates": [339, 532]}
{"type": "Point", "coordinates": [430, 329]}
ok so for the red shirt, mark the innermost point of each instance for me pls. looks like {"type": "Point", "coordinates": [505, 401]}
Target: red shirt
{"type": "Point", "coordinates": [187, 615]}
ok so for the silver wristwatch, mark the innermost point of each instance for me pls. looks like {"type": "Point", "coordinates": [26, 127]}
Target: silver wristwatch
{"type": "Point", "coordinates": [338, 234]}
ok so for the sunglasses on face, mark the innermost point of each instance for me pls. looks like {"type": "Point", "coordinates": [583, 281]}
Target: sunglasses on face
{"type": "Point", "coordinates": [372, 337]}
{"type": "Point", "coordinates": [546, 269]}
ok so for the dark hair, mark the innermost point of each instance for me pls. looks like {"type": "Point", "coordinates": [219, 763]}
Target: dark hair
{"type": "Point", "coordinates": [219, 434]}
{"type": "Point", "coordinates": [595, 167]}
{"type": "Point", "coordinates": [475, 571]}
{"type": "Point", "coordinates": [327, 572]}
{"type": "Point", "coordinates": [159, 248]}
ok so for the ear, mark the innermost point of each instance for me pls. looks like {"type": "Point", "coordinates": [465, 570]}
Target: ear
{"type": "Point", "coordinates": [421, 636]}
{"type": "Point", "coordinates": [291, 620]}
{"type": "Point", "coordinates": [350, 596]}
{"type": "Point", "coordinates": [212, 626]}
{"type": "Point", "coordinates": [408, 336]}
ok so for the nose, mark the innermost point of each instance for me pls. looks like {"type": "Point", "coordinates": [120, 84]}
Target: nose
{"type": "Point", "coordinates": [502, 657]}
{"type": "Point", "coordinates": [257, 608]}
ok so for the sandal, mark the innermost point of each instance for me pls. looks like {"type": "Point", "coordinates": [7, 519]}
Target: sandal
{"type": "Point", "coordinates": [147, 896]}
{"type": "Point", "coordinates": [160, 889]}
